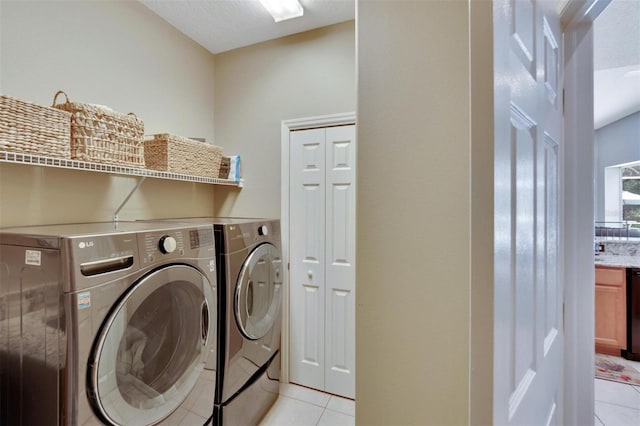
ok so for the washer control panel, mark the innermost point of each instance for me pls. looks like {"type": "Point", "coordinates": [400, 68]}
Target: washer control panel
{"type": "Point", "coordinates": [167, 244]}
{"type": "Point", "coordinates": [161, 245]}
{"type": "Point", "coordinates": [156, 246]}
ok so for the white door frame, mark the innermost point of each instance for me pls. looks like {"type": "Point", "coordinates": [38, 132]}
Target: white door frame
{"type": "Point", "coordinates": [286, 127]}
{"type": "Point", "coordinates": [578, 192]}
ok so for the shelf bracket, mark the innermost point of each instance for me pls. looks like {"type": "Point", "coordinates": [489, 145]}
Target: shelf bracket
{"type": "Point", "coordinates": [115, 214]}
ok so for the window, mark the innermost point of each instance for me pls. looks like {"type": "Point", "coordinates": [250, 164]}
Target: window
{"type": "Point", "coordinates": [631, 192]}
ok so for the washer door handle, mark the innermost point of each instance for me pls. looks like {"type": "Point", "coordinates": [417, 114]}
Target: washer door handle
{"type": "Point", "coordinates": [204, 322]}
{"type": "Point", "coordinates": [250, 298]}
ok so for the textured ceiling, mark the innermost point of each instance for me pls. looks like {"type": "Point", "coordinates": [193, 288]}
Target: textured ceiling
{"type": "Point", "coordinates": [617, 35]}
{"type": "Point", "coordinates": [616, 57]}
{"type": "Point", "coordinates": [221, 25]}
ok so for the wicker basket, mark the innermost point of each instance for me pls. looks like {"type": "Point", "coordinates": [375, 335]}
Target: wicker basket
{"type": "Point", "coordinates": [33, 129]}
{"type": "Point", "coordinates": [101, 135]}
{"type": "Point", "coordinates": [178, 154]}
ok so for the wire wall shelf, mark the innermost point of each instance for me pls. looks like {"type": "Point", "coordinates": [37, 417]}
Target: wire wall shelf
{"type": "Point", "coordinates": [62, 163]}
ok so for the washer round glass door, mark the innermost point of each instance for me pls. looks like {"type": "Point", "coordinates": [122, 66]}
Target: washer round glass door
{"type": "Point", "coordinates": [153, 346]}
{"type": "Point", "coordinates": [258, 292]}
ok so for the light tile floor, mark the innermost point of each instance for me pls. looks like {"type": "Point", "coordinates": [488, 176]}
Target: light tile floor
{"type": "Point", "coordinates": [300, 406]}
{"type": "Point", "coordinates": [617, 404]}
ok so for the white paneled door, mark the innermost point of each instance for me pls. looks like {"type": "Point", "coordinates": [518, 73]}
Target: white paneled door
{"type": "Point", "coordinates": [307, 232]}
{"type": "Point", "coordinates": [529, 341]}
{"type": "Point", "coordinates": [340, 253]}
{"type": "Point", "coordinates": [322, 257]}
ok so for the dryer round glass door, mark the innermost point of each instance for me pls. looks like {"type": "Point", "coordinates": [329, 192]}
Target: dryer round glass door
{"type": "Point", "coordinates": [258, 292]}
{"type": "Point", "coordinates": [153, 346]}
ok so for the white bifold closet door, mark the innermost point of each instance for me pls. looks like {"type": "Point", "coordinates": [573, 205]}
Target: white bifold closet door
{"type": "Point", "coordinates": [322, 247]}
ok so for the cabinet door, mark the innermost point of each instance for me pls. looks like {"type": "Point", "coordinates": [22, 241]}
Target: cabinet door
{"type": "Point", "coordinates": [610, 310]}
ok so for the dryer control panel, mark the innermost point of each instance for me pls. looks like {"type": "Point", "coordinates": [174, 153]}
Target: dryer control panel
{"type": "Point", "coordinates": [245, 235]}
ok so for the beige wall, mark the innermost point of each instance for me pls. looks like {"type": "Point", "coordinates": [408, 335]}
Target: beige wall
{"type": "Point", "coordinates": [118, 54]}
{"type": "Point", "coordinates": [307, 74]}
{"type": "Point", "coordinates": [122, 55]}
{"type": "Point", "coordinates": [481, 368]}
{"type": "Point", "coordinates": [424, 164]}
{"type": "Point", "coordinates": [424, 222]}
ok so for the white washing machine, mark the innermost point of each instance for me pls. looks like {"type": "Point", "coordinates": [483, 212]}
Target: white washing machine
{"type": "Point", "coordinates": [107, 323]}
{"type": "Point", "coordinates": [250, 277]}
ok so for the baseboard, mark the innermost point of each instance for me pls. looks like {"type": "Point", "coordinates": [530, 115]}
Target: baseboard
{"type": "Point", "coordinates": [607, 350]}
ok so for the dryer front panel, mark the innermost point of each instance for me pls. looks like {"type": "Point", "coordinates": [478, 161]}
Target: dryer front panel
{"type": "Point", "coordinates": [152, 349]}
{"type": "Point", "coordinates": [253, 329]}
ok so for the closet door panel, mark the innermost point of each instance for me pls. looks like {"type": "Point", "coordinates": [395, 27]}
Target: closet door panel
{"type": "Point", "coordinates": [307, 278]}
{"type": "Point", "coordinates": [340, 261]}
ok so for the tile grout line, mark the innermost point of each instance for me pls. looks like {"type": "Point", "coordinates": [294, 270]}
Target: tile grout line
{"type": "Point", "coordinates": [344, 414]}
{"type": "Point", "coordinates": [320, 418]}
{"type": "Point", "coordinates": [599, 419]}
{"type": "Point", "coordinates": [312, 391]}
{"type": "Point", "coordinates": [340, 412]}
{"type": "Point", "coordinates": [618, 405]}
{"type": "Point", "coordinates": [614, 406]}
{"type": "Point", "coordinates": [324, 407]}
{"type": "Point", "coordinates": [304, 401]}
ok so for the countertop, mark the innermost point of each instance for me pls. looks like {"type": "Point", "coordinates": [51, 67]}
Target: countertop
{"type": "Point", "coordinates": [617, 260]}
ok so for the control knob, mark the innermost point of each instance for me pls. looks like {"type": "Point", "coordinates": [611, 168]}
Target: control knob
{"type": "Point", "coordinates": [167, 244]}
{"type": "Point", "coordinates": [263, 230]}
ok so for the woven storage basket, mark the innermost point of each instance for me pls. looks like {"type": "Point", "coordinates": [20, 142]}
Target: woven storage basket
{"type": "Point", "coordinates": [178, 154]}
{"type": "Point", "coordinates": [33, 129]}
{"type": "Point", "coordinates": [101, 135]}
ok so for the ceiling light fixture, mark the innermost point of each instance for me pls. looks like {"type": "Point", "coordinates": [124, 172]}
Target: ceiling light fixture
{"type": "Point", "coordinates": [283, 9]}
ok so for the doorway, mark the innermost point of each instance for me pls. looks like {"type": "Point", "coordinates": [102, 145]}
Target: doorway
{"type": "Point", "coordinates": [616, 65]}
{"type": "Point", "coordinates": [579, 273]}
{"type": "Point", "coordinates": [288, 126]}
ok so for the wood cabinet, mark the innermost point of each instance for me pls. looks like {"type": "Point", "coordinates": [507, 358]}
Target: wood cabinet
{"type": "Point", "coordinates": [611, 310]}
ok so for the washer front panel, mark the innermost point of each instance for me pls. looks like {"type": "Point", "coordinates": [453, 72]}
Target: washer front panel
{"type": "Point", "coordinates": [153, 347]}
